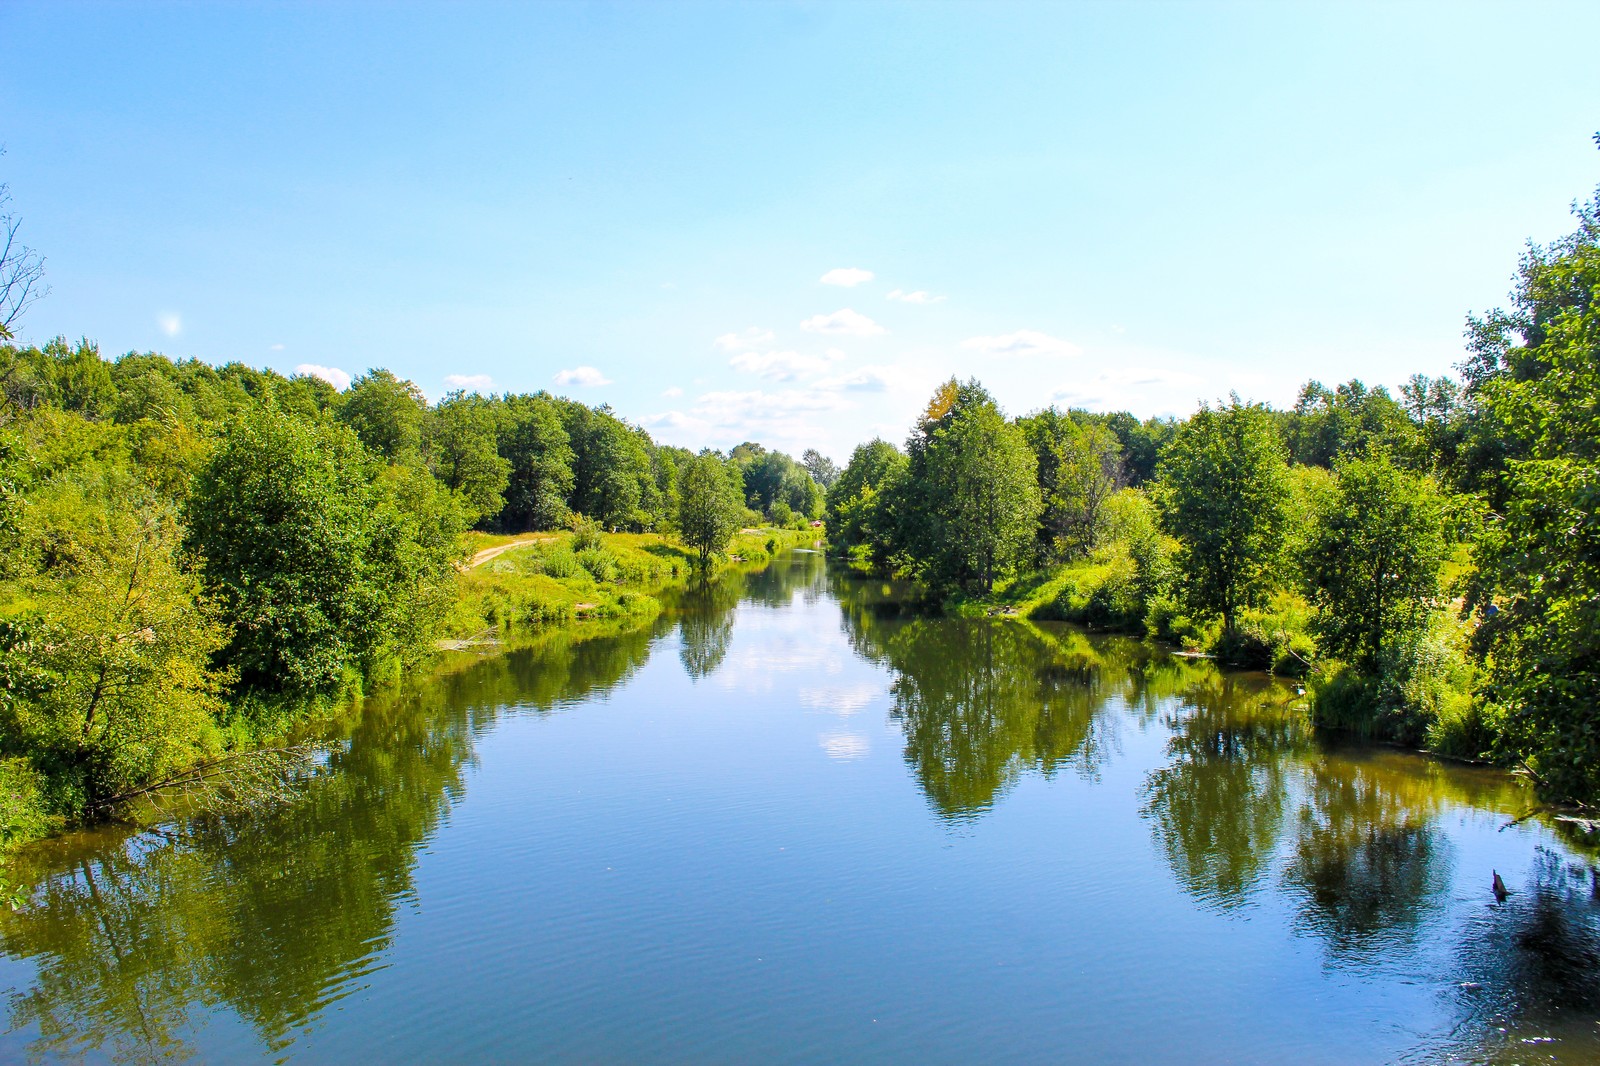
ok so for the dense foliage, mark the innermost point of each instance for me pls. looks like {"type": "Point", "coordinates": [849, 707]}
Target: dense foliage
{"type": "Point", "coordinates": [1431, 562]}
{"type": "Point", "coordinates": [192, 557]}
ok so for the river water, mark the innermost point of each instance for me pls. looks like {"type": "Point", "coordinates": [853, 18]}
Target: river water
{"type": "Point", "coordinates": [793, 822]}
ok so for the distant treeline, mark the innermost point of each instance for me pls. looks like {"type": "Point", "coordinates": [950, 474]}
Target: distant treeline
{"type": "Point", "coordinates": [192, 557]}
{"type": "Point", "coordinates": [1430, 561]}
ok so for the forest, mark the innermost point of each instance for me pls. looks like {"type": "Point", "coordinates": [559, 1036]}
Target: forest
{"type": "Point", "coordinates": [1428, 563]}
{"type": "Point", "coordinates": [194, 558]}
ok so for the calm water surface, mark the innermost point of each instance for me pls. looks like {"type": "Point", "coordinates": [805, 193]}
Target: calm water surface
{"type": "Point", "coordinates": [793, 823]}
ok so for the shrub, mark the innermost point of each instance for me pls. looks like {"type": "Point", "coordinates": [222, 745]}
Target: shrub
{"type": "Point", "coordinates": [601, 564]}
{"type": "Point", "coordinates": [586, 534]}
{"type": "Point", "coordinates": [560, 563]}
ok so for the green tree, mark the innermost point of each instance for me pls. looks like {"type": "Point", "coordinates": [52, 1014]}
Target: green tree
{"type": "Point", "coordinates": [1079, 467]}
{"type": "Point", "coordinates": [971, 503]}
{"type": "Point", "coordinates": [118, 641]}
{"type": "Point", "coordinates": [324, 562]}
{"type": "Point", "coordinates": [534, 442]}
{"type": "Point", "coordinates": [386, 413]}
{"type": "Point", "coordinates": [855, 513]}
{"type": "Point", "coordinates": [1372, 560]}
{"type": "Point", "coordinates": [823, 471]}
{"type": "Point", "coordinates": [1535, 413]}
{"type": "Point", "coordinates": [462, 452]}
{"type": "Point", "coordinates": [711, 502]}
{"type": "Point", "coordinates": [1225, 496]}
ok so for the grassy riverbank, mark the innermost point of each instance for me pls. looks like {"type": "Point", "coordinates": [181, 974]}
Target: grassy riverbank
{"type": "Point", "coordinates": [561, 579]}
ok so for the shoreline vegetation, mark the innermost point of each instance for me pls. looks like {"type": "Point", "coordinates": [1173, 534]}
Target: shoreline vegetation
{"type": "Point", "coordinates": [197, 559]}
{"type": "Point", "coordinates": [1428, 564]}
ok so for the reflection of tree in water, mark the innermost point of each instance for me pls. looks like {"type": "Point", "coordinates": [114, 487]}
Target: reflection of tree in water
{"type": "Point", "coordinates": [1367, 857]}
{"type": "Point", "coordinates": [981, 702]}
{"type": "Point", "coordinates": [705, 624]}
{"type": "Point", "coordinates": [790, 573]}
{"type": "Point", "coordinates": [276, 913]}
{"type": "Point", "coordinates": [1218, 808]}
{"type": "Point", "coordinates": [1529, 968]}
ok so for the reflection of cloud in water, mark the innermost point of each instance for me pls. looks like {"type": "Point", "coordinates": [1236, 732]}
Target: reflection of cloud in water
{"type": "Point", "coordinates": [755, 667]}
{"type": "Point", "coordinates": [843, 700]}
{"type": "Point", "coordinates": [844, 745]}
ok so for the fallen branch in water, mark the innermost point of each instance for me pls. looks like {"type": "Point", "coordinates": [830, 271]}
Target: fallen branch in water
{"type": "Point", "coordinates": [239, 779]}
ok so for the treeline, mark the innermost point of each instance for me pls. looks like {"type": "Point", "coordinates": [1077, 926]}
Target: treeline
{"type": "Point", "coordinates": [1431, 562]}
{"type": "Point", "coordinates": [192, 557]}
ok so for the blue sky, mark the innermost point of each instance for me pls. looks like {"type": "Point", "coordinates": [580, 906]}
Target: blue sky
{"type": "Point", "coordinates": [787, 222]}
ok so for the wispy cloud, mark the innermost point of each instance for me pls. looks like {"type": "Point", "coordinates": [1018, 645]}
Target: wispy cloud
{"type": "Point", "coordinates": [921, 296]}
{"type": "Point", "coordinates": [1023, 343]}
{"type": "Point", "coordinates": [339, 379]}
{"type": "Point", "coordinates": [171, 323]}
{"type": "Point", "coordinates": [754, 337]}
{"type": "Point", "coordinates": [469, 382]}
{"type": "Point", "coordinates": [586, 376]}
{"type": "Point", "coordinates": [844, 322]}
{"type": "Point", "coordinates": [673, 392]}
{"type": "Point", "coordinates": [849, 277]}
{"type": "Point", "coordinates": [783, 366]}
{"type": "Point", "coordinates": [274, 347]}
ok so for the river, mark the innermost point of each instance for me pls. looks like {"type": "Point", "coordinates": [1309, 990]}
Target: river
{"type": "Point", "coordinates": [793, 822]}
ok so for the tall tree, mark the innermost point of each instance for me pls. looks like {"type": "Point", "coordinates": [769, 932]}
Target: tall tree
{"type": "Point", "coordinates": [1372, 559]}
{"type": "Point", "coordinates": [823, 471]}
{"type": "Point", "coordinates": [710, 503]}
{"type": "Point", "coordinates": [534, 443]}
{"type": "Point", "coordinates": [1225, 495]}
{"type": "Point", "coordinates": [386, 413]}
{"type": "Point", "coordinates": [975, 504]}
{"type": "Point", "coordinates": [1079, 467]}
{"type": "Point", "coordinates": [462, 452]}
{"type": "Point", "coordinates": [1535, 427]}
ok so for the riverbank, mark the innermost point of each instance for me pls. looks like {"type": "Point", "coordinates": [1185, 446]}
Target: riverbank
{"type": "Point", "coordinates": [559, 579]}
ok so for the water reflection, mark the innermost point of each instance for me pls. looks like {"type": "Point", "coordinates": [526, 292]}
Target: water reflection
{"type": "Point", "coordinates": [140, 942]}
{"type": "Point", "coordinates": [1218, 809]}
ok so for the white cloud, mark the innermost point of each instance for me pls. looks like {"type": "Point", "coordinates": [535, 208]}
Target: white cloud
{"type": "Point", "coordinates": [673, 392]}
{"type": "Point", "coordinates": [586, 376]}
{"type": "Point", "coordinates": [469, 382]}
{"type": "Point", "coordinates": [754, 337]}
{"type": "Point", "coordinates": [866, 379]}
{"type": "Point", "coordinates": [783, 366]}
{"type": "Point", "coordinates": [1134, 388]}
{"type": "Point", "coordinates": [844, 746]}
{"type": "Point", "coordinates": [921, 296]}
{"type": "Point", "coordinates": [844, 323]}
{"type": "Point", "coordinates": [849, 277]}
{"type": "Point", "coordinates": [170, 322]}
{"type": "Point", "coordinates": [1023, 343]}
{"type": "Point", "coordinates": [275, 348]}
{"type": "Point", "coordinates": [331, 374]}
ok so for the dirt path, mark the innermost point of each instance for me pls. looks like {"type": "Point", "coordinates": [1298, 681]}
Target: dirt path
{"type": "Point", "coordinates": [500, 549]}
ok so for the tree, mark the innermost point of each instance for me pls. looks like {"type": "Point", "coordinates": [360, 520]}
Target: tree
{"type": "Point", "coordinates": [711, 502]}
{"type": "Point", "coordinates": [973, 490]}
{"type": "Point", "coordinates": [1371, 564]}
{"type": "Point", "coordinates": [324, 562]}
{"type": "Point", "coordinates": [1225, 496]}
{"type": "Point", "coordinates": [21, 270]}
{"type": "Point", "coordinates": [855, 515]}
{"type": "Point", "coordinates": [462, 452]}
{"type": "Point", "coordinates": [1535, 424]}
{"type": "Point", "coordinates": [822, 469]}
{"type": "Point", "coordinates": [1079, 467]}
{"type": "Point", "coordinates": [534, 443]}
{"type": "Point", "coordinates": [118, 641]}
{"type": "Point", "coordinates": [611, 466]}
{"type": "Point", "coordinates": [386, 413]}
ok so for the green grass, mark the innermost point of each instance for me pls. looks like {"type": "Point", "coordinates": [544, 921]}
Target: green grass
{"type": "Point", "coordinates": [550, 584]}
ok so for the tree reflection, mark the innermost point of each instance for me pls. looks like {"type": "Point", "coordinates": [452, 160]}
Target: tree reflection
{"type": "Point", "coordinates": [1218, 808]}
{"type": "Point", "coordinates": [980, 702]}
{"type": "Point", "coordinates": [276, 913]}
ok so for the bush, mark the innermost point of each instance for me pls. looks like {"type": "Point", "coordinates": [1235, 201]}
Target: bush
{"type": "Point", "coordinates": [601, 564]}
{"type": "Point", "coordinates": [560, 563]}
{"type": "Point", "coordinates": [586, 534]}
{"type": "Point", "coordinates": [1421, 693]}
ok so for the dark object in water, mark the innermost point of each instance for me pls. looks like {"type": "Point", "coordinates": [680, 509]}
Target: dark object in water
{"type": "Point", "coordinates": [1500, 890]}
